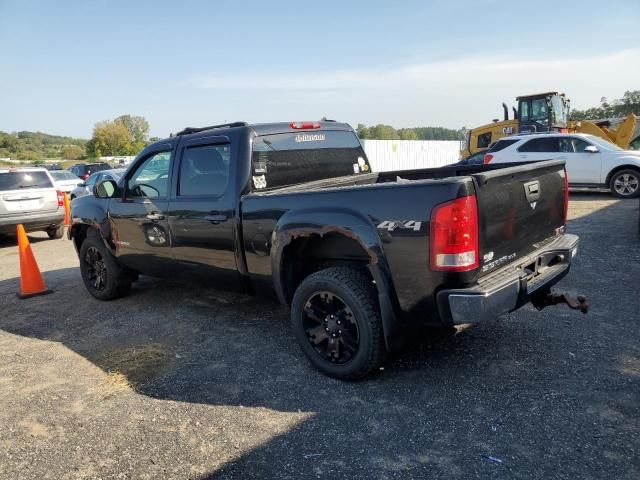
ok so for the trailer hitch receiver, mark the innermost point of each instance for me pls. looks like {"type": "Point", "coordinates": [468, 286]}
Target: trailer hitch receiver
{"type": "Point", "coordinates": [548, 298]}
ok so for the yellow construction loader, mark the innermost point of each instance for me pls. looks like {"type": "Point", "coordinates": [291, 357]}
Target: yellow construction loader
{"type": "Point", "coordinates": [548, 112]}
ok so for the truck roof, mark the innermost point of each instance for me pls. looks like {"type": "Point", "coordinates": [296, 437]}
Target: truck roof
{"type": "Point", "coordinates": [258, 128]}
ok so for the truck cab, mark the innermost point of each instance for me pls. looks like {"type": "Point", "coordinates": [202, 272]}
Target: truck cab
{"type": "Point", "coordinates": [543, 112]}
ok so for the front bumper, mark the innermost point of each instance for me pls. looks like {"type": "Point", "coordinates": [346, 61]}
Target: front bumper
{"type": "Point", "coordinates": [512, 286]}
{"type": "Point", "coordinates": [32, 222]}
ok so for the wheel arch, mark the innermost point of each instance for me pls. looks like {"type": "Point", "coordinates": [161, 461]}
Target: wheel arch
{"type": "Point", "coordinates": [310, 240]}
{"type": "Point", "coordinates": [624, 166]}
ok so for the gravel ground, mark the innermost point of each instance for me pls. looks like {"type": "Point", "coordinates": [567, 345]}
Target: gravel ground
{"type": "Point", "coordinates": [178, 381]}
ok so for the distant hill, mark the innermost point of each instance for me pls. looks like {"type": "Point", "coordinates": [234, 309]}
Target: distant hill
{"type": "Point", "coordinates": [40, 146]}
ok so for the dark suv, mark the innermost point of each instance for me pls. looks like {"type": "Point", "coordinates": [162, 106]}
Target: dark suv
{"type": "Point", "coordinates": [83, 170]}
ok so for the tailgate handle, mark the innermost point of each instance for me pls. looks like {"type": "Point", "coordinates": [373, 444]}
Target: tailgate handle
{"type": "Point", "coordinates": [532, 190]}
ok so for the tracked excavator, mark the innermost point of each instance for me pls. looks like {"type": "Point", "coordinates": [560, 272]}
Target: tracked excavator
{"type": "Point", "coordinates": [549, 112]}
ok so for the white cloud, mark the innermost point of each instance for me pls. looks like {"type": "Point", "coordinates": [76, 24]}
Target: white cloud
{"type": "Point", "coordinates": [465, 91]}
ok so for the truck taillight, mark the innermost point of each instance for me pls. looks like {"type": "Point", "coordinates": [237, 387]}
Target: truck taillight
{"type": "Point", "coordinates": [60, 198]}
{"type": "Point", "coordinates": [487, 158]}
{"type": "Point", "coordinates": [304, 125]}
{"type": "Point", "coordinates": [454, 235]}
{"type": "Point", "coordinates": [566, 196]}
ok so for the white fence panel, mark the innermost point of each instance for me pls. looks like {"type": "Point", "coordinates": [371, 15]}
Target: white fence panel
{"type": "Point", "coordinates": [390, 155]}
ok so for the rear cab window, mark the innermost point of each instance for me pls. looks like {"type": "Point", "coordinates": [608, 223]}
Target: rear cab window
{"type": "Point", "coordinates": [24, 180]}
{"type": "Point", "coordinates": [290, 158]}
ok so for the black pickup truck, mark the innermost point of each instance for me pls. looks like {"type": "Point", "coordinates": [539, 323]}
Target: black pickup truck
{"type": "Point", "coordinates": [295, 208]}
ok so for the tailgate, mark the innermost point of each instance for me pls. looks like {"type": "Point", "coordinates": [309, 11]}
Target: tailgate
{"type": "Point", "coordinates": [28, 202]}
{"type": "Point", "coordinates": [520, 208]}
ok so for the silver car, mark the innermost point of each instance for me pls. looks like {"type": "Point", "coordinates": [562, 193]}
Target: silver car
{"type": "Point", "coordinates": [28, 196]}
{"type": "Point", "coordinates": [65, 180]}
{"type": "Point", "coordinates": [86, 188]}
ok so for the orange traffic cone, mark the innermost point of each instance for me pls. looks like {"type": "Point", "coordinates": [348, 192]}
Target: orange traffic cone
{"type": "Point", "coordinates": [67, 211]}
{"type": "Point", "coordinates": [31, 281]}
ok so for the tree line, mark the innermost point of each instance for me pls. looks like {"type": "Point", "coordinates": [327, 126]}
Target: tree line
{"type": "Point", "coordinates": [387, 132]}
{"type": "Point", "coordinates": [128, 134]}
{"type": "Point", "coordinates": [619, 107]}
{"type": "Point", "coordinates": [38, 146]}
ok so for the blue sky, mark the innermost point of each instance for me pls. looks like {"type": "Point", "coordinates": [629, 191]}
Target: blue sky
{"type": "Point", "coordinates": [66, 65]}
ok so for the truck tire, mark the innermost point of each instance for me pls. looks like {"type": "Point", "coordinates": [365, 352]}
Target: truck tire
{"type": "Point", "coordinates": [101, 274]}
{"type": "Point", "coordinates": [625, 183]}
{"type": "Point", "coordinates": [336, 319]}
{"type": "Point", "coordinates": [56, 232]}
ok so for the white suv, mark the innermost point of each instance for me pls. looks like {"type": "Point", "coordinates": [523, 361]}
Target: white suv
{"type": "Point", "coordinates": [591, 161]}
{"type": "Point", "coordinates": [28, 196]}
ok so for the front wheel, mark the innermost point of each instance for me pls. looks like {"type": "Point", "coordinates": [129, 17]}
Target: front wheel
{"type": "Point", "coordinates": [625, 183]}
{"type": "Point", "coordinates": [336, 319]}
{"type": "Point", "coordinates": [102, 276]}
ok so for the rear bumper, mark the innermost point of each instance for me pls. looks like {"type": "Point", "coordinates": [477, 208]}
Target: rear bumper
{"type": "Point", "coordinates": [512, 286]}
{"type": "Point", "coordinates": [32, 221]}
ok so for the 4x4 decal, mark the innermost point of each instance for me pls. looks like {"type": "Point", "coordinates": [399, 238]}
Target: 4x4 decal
{"type": "Point", "coordinates": [391, 225]}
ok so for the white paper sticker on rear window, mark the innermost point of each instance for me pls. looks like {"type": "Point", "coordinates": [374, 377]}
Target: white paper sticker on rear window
{"type": "Point", "coordinates": [259, 181]}
{"type": "Point", "coordinates": [310, 137]}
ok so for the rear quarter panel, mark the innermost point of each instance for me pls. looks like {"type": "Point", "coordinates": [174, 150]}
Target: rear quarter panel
{"type": "Point", "coordinates": [392, 220]}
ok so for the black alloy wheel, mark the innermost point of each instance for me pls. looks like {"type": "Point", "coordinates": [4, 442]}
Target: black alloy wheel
{"type": "Point", "coordinates": [103, 277]}
{"type": "Point", "coordinates": [96, 269]}
{"type": "Point", "coordinates": [336, 319]}
{"type": "Point", "coordinates": [331, 327]}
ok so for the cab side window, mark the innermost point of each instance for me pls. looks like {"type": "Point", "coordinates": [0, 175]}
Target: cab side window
{"type": "Point", "coordinates": [151, 178]}
{"type": "Point", "coordinates": [93, 179]}
{"type": "Point", "coordinates": [524, 111]}
{"type": "Point", "coordinates": [566, 145]}
{"type": "Point", "coordinates": [542, 145]}
{"type": "Point", "coordinates": [204, 170]}
{"type": "Point", "coordinates": [579, 145]}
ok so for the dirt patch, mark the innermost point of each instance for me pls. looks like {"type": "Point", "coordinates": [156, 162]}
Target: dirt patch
{"type": "Point", "coordinates": [34, 428]}
{"type": "Point", "coordinates": [132, 366]}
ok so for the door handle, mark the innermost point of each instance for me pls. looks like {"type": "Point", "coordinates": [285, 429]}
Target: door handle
{"type": "Point", "coordinates": [215, 217]}
{"type": "Point", "coordinates": [155, 216]}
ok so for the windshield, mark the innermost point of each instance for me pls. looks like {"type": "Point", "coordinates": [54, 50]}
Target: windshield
{"type": "Point", "coordinates": [297, 157]}
{"type": "Point", "coordinates": [601, 142]}
{"type": "Point", "coordinates": [23, 180]}
{"type": "Point", "coordinates": [539, 112]}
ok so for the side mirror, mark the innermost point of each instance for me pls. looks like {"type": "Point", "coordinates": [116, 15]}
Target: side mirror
{"type": "Point", "coordinates": [591, 149]}
{"type": "Point", "coordinates": [105, 189]}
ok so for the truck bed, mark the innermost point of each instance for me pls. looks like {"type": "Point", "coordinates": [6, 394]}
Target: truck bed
{"type": "Point", "coordinates": [398, 206]}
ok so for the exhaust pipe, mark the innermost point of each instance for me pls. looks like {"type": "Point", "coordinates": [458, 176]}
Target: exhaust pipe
{"type": "Point", "coordinates": [506, 111]}
{"type": "Point", "coordinates": [515, 113]}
